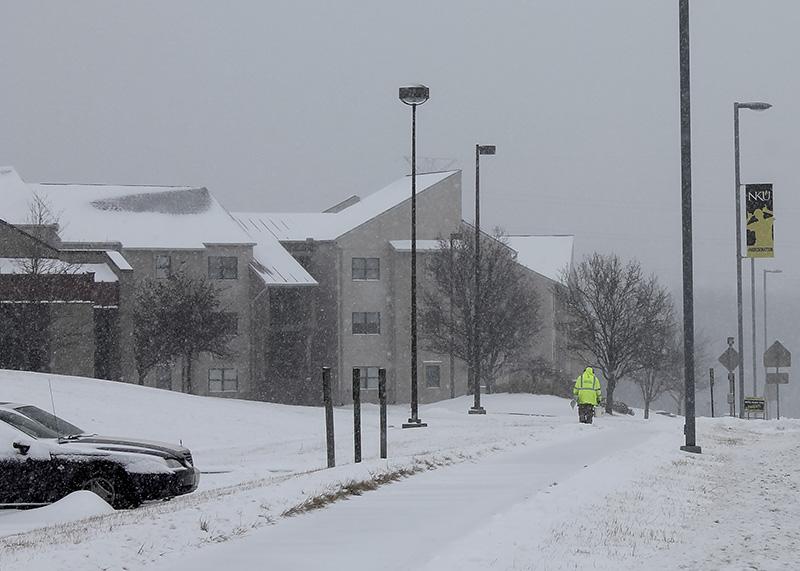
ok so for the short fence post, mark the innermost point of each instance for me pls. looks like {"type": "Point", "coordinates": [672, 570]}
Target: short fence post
{"type": "Point", "coordinates": [326, 397]}
{"type": "Point", "coordinates": [382, 401]}
{"type": "Point", "coordinates": [711, 382]}
{"type": "Point", "coordinates": [357, 414]}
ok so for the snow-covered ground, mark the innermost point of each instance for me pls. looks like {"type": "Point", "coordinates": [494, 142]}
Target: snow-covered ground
{"type": "Point", "coordinates": [524, 487]}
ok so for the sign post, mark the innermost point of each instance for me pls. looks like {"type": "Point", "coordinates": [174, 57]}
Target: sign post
{"type": "Point", "coordinates": [777, 356]}
{"type": "Point", "coordinates": [730, 360]}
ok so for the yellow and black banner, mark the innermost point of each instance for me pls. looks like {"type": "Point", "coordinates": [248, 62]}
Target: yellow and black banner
{"type": "Point", "coordinates": [759, 218]}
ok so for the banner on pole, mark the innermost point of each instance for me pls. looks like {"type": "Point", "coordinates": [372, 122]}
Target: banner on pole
{"type": "Point", "coordinates": [759, 219]}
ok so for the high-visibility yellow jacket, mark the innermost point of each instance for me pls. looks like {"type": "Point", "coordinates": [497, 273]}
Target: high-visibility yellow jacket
{"type": "Point", "coordinates": [587, 388]}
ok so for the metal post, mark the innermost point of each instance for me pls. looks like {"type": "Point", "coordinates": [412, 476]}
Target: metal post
{"type": "Point", "coordinates": [452, 356]}
{"type": "Point", "coordinates": [413, 96]}
{"type": "Point", "coordinates": [753, 325]}
{"type": "Point", "coordinates": [476, 329]}
{"type": "Point", "coordinates": [326, 397]}
{"type": "Point", "coordinates": [711, 383]}
{"type": "Point", "coordinates": [414, 395]}
{"type": "Point", "coordinates": [357, 414]}
{"type": "Point", "coordinates": [778, 398]}
{"type": "Point", "coordinates": [739, 320]}
{"type": "Point", "coordinates": [765, 272]}
{"type": "Point", "coordinates": [382, 403]}
{"type": "Point", "coordinates": [764, 289]}
{"type": "Point", "coordinates": [732, 391]}
{"type": "Point", "coordinates": [686, 225]}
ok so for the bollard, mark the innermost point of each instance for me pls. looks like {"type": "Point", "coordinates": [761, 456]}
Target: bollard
{"type": "Point", "coordinates": [326, 397]}
{"type": "Point", "coordinates": [382, 401]}
{"type": "Point", "coordinates": [732, 392]}
{"type": "Point", "coordinates": [711, 382]}
{"type": "Point", "coordinates": [357, 414]}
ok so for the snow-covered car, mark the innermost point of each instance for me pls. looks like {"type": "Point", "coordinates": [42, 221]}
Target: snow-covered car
{"type": "Point", "coordinates": [43, 458]}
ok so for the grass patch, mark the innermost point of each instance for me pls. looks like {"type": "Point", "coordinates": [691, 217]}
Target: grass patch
{"type": "Point", "coordinates": [351, 488]}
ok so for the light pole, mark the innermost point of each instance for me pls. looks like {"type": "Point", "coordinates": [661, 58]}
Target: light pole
{"type": "Point", "coordinates": [414, 95]}
{"type": "Point", "coordinates": [777, 387]}
{"type": "Point", "coordinates": [453, 237]}
{"type": "Point", "coordinates": [755, 106]}
{"type": "Point", "coordinates": [476, 329]}
{"type": "Point", "coordinates": [686, 226]}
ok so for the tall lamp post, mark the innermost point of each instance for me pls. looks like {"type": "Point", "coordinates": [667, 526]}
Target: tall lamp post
{"type": "Point", "coordinates": [476, 329]}
{"type": "Point", "coordinates": [414, 95]}
{"type": "Point", "coordinates": [754, 106]}
{"type": "Point", "coordinates": [686, 226]}
{"type": "Point", "coordinates": [777, 387]}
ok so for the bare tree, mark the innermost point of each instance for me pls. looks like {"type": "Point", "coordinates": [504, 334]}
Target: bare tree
{"type": "Point", "coordinates": [610, 311]}
{"type": "Point", "coordinates": [676, 378]}
{"type": "Point", "coordinates": [178, 317]}
{"type": "Point", "coordinates": [34, 329]}
{"type": "Point", "coordinates": [657, 359]}
{"type": "Point", "coordinates": [509, 314]}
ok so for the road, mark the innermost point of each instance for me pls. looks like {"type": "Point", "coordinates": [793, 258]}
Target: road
{"type": "Point", "coordinates": [406, 524]}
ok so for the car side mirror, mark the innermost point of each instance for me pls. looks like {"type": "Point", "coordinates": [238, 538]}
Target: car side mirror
{"type": "Point", "coordinates": [22, 448]}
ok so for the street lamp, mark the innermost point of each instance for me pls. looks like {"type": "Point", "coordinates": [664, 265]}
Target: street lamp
{"type": "Point", "coordinates": [476, 406]}
{"type": "Point", "coordinates": [686, 227]}
{"type": "Point", "coordinates": [777, 387]}
{"type": "Point", "coordinates": [453, 237]}
{"type": "Point", "coordinates": [754, 106]}
{"type": "Point", "coordinates": [414, 95]}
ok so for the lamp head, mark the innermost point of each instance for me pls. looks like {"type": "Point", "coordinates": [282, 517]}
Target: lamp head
{"type": "Point", "coordinates": [414, 94]}
{"type": "Point", "coordinates": [755, 105]}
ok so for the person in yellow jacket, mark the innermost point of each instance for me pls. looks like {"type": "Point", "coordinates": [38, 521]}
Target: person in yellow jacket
{"type": "Point", "coordinates": [587, 393]}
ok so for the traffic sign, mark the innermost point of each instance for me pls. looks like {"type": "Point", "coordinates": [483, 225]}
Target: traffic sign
{"type": "Point", "coordinates": [777, 356]}
{"type": "Point", "coordinates": [777, 378]}
{"type": "Point", "coordinates": [730, 359]}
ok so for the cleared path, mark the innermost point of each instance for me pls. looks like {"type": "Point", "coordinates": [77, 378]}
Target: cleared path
{"type": "Point", "coordinates": [405, 524]}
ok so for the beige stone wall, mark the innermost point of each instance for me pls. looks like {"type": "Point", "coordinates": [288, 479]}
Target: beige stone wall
{"type": "Point", "coordinates": [235, 297]}
{"type": "Point", "coordinates": [438, 214]}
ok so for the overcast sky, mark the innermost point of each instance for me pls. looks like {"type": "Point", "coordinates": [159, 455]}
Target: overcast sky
{"type": "Point", "coordinates": [293, 106]}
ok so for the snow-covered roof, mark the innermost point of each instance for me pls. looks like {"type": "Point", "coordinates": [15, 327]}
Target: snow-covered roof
{"type": "Point", "coordinates": [138, 217]}
{"type": "Point", "coordinates": [422, 245]}
{"type": "Point", "coordinates": [102, 273]}
{"type": "Point", "coordinates": [545, 255]}
{"type": "Point", "coordinates": [119, 260]}
{"type": "Point", "coordinates": [272, 262]}
{"type": "Point", "coordinates": [299, 226]}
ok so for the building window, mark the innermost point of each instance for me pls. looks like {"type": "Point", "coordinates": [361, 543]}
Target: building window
{"type": "Point", "coordinates": [433, 376]}
{"type": "Point", "coordinates": [164, 377]}
{"type": "Point", "coordinates": [366, 268]}
{"type": "Point", "coordinates": [223, 267]}
{"type": "Point", "coordinates": [368, 377]}
{"type": "Point", "coordinates": [366, 323]}
{"type": "Point", "coordinates": [163, 267]}
{"type": "Point", "coordinates": [223, 380]}
{"type": "Point", "coordinates": [231, 320]}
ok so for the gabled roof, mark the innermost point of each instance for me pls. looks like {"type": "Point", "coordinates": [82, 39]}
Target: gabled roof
{"type": "Point", "coordinates": [138, 217]}
{"type": "Point", "coordinates": [146, 217]}
{"type": "Point", "coordinates": [549, 256]}
{"type": "Point", "coordinates": [299, 226]}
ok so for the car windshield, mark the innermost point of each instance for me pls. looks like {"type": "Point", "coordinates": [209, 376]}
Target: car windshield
{"type": "Point", "coordinates": [60, 426]}
{"type": "Point", "coordinates": [26, 425]}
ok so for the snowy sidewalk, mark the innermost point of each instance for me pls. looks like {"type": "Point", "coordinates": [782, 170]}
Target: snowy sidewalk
{"type": "Point", "coordinates": [406, 524]}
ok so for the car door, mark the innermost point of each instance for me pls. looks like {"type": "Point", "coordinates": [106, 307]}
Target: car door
{"type": "Point", "coordinates": [17, 473]}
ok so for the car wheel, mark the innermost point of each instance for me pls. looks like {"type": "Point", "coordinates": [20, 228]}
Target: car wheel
{"type": "Point", "coordinates": [110, 489]}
